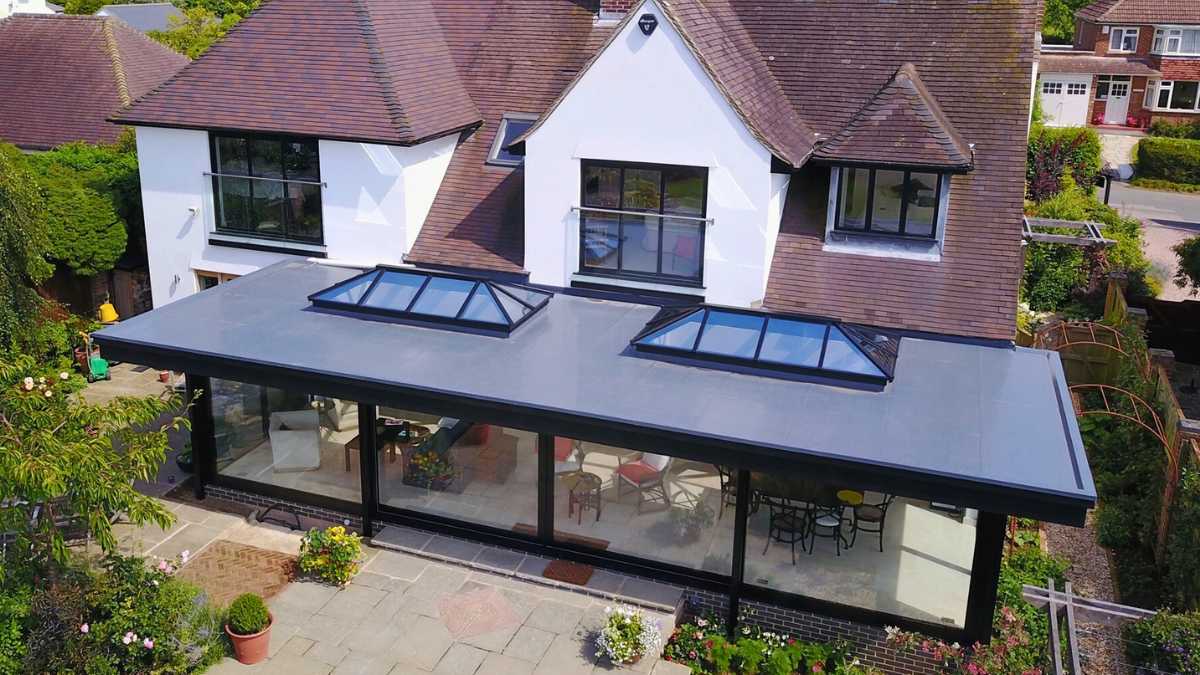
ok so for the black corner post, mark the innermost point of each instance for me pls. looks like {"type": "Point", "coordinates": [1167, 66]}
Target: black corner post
{"type": "Point", "coordinates": [204, 447]}
{"type": "Point", "coordinates": [545, 488]}
{"type": "Point", "coordinates": [985, 575]}
{"type": "Point", "coordinates": [368, 467]}
{"type": "Point", "coordinates": [737, 573]}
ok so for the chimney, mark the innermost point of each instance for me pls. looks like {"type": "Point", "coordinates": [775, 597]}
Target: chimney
{"type": "Point", "coordinates": [615, 9]}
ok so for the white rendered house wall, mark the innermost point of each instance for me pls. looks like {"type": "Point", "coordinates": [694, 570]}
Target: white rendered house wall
{"type": "Point", "coordinates": [10, 7]}
{"type": "Point", "coordinates": [647, 99]}
{"type": "Point", "coordinates": [374, 201]}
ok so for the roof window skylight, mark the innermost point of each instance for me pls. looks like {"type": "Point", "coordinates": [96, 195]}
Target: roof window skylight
{"type": "Point", "coordinates": [435, 297]}
{"type": "Point", "coordinates": [773, 342]}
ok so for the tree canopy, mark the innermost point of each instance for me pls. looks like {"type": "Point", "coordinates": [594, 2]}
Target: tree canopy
{"type": "Point", "coordinates": [24, 243]}
{"type": "Point", "coordinates": [1058, 23]}
{"type": "Point", "coordinates": [203, 23]}
{"type": "Point", "coordinates": [86, 234]}
{"type": "Point", "coordinates": [1188, 274]}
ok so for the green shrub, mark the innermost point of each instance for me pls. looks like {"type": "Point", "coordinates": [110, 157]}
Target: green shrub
{"type": "Point", "coordinates": [331, 555]}
{"type": "Point", "coordinates": [703, 646]}
{"type": "Point", "coordinates": [15, 598]}
{"type": "Point", "coordinates": [1173, 159]}
{"type": "Point", "coordinates": [1188, 274]}
{"type": "Point", "coordinates": [1055, 153]}
{"type": "Point", "coordinates": [1164, 185]}
{"type": "Point", "coordinates": [1170, 129]}
{"type": "Point", "coordinates": [248, 615]}
{"type": "Point", "coordinates": [1028, 565]}
{"type": "Point", "coordinates": [1167, 642]}
{"type": "Point", "coordinates": [1183, 542]}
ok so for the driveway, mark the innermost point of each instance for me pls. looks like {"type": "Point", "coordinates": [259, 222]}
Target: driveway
{"type": "Point", "coordinates": [1169, 217]}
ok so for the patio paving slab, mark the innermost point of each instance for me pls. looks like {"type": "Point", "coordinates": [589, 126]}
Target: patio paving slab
{"type": "Point", "coordinates": [529, 644]}
{"type": "Point", "coordinates": [461, 659]}
{"type": "Point", "coordinates": [499, 664]}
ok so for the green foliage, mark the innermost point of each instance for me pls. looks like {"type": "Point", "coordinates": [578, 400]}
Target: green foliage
{"type": "Point", "coordinates": [1058, 274]}
{"type": "Point", "coordinates": [1183, 542]}
{"type": "Point", "coordinates": [14, 611]}
{"type": "Point", "coordinates": [1028, 565]}
{"type": "Point", "coordinates": [83, 6]}
{"type": "Point", "coordinates": [124, 617]}
{"type": "Point", "coordinates": [1171, 159]}
{"type": "Point", "coordinates": [331, 555]}
{"type": "Point", "coordinates": [23, 246]}
{"type": "Point", "coordinates": [203, 23]}
{"type": "Point", "coordinates": [67, 459]}
{"type": "Point", "coordinates": [52, 335]}
{"type": "Point", "coordinates": [1166, 643]}
{"type": "Point", "coordinates": [1171, 129]}
{"type": "Point", "coordinates": [1188, 274]}
{"type": "Point", "coordinates": [703, 646]}
{"type": "Point", "coordinates": [248, 615]}
{"type": "Point", "coordinates": [1058, 152]}
{"type": "Point", "coordinates": [1163, 185]}
{"type": "Point", "coordinates": [1058, 23]}
{"type": "Point", "coordinates": [1008, 653]}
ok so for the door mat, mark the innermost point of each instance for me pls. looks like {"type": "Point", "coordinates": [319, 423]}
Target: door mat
{"type": "Point", "coordinates": [226, 569]}
{"type": "Point", "coordinates": [566, 537]}
{"type": "Point", "coordinates": [568, 572]}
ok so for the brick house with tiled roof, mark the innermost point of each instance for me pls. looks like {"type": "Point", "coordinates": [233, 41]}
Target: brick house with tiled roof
{"type": "Point", "coordinates": [62, 76]}
{"type": "Point", "coordinates": [1132, 61]}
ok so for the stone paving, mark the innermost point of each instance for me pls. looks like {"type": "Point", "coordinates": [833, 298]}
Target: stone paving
{"type": "Point", "coordinates": [405, 613]}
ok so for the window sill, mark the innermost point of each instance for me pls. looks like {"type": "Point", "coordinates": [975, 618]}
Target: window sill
{"type": "Point", "coordinates": [268, 245]}
{"type": "Point", "coordinates": [882, 246]}
{"type": "Point", "coordinates": [619, 282]}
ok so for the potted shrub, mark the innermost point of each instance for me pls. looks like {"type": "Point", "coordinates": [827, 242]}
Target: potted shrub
{"type": "Point", "coordinates": [249, 628]}
{"type": "Point", "coordinates": [184, 460]}
{"type": "Point", "coordinates": [332, 555]}
{"type": "Point", "coordinates": [628, 635]}
{"type": "Point", "coordinates": [429, 469]}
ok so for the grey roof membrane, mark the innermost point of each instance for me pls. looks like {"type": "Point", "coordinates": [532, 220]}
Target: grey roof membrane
{"type": "Point", "coordinates": [991, 416]}
{"type": "Point", "coordinates": [143, 16]}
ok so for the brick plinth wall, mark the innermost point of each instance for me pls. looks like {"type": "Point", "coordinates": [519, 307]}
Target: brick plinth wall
{"type": "Point", "coordinates": [303, 510]}
{"type": "Point", "coordinates": [869, 641]}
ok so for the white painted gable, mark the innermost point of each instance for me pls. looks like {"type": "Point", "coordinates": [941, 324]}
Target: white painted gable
{"type": "Point", "coordinates": [648, 99]}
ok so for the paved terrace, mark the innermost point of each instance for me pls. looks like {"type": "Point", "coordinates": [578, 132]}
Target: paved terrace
{"type": "Point", "coordinates": [404, 613]}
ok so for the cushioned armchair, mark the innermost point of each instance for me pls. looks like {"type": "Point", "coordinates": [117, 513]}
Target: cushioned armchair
{"type": "Point", "coordinates": [647, 475]}
{"type": "Point", "coordinates": [568, 456]}
{"type": "Point", "coordinates": [295, 440]}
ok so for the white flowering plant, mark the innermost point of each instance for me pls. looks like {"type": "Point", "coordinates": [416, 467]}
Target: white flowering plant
{"type": "Point", "coordinates": [627, 635]}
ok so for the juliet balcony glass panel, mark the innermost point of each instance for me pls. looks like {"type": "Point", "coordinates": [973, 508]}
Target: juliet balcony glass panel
{"type": "Point", "coordinates": [435, 298]}
{"type": "Point", "coordinates": [772, 342]}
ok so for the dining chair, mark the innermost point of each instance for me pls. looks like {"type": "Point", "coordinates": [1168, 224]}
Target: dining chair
{"type": "Point", "coordinates": [728, 490]}
{"type": "Point", "coordinates": [647, 475]}
{"type": "Point", "coordinates": [870, 518]}
{"type": "Point", "coordinates": [827, 523]}
{"type": "Point", "coordinates": [788, 523]}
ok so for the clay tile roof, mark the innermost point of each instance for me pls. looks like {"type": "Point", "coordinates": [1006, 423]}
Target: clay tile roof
{"type": "Point", "coordinates": [901, 125]}
{"type": "Point", "coordinates": [1142, 11]}
{"type": "Point", "coordinates": [62, 76]}
{"type": "Point", "coordinates": [363, 70]}
{"type": "Point", "coordinates": [1089, 63]}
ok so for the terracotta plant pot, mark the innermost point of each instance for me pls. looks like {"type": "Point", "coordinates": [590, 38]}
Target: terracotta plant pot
{"type": "Point", "coordinates": [164, 376]}
{"type": "Point", "coordinates": [250, 649]}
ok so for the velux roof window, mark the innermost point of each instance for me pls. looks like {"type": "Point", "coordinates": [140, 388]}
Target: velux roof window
{"type": "Point", "coordinates": [435, 297]}
{"type": "Point", "coordinates": [772, 343]}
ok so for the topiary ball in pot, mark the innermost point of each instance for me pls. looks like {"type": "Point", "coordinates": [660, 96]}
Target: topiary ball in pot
{"type": "Point", "coordinates": [249, 628]}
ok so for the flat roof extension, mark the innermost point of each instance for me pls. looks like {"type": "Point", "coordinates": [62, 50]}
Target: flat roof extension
{"type": "Point", "coordinates": [988, 427]}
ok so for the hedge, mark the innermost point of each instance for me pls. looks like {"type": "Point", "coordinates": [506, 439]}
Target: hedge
{"type": "Point", "coordinates": [1175, 129]}
{"type": "Point", "coordinates": [1173, 159]}
{"type": "Point", "coordinates": [1055, 152]}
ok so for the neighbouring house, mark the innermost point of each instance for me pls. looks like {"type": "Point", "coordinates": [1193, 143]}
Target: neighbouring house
{"type": "Point", "coordinates": [10, 7]}
{"type": "Point", "coordinates": [715, 291]}
{"type": "Point", "coordinates": [61, 78]}
{"type": "Point", "coordinates": [144, 16]}
{"type": "Point", "coordinates": [1133, 62]}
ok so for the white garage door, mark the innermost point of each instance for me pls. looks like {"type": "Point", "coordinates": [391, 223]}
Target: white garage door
{"type": "Point", "coordinates": [1065, 99]}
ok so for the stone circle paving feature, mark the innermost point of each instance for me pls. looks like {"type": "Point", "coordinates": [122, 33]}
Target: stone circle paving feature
{"type": "Point", "coordinates": [225, 570]}
{"type": "Point", "coordinates": [478, 611]}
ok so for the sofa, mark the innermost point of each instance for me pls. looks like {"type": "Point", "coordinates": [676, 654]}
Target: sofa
{"type": "Point", "coordinates": [295, 440]}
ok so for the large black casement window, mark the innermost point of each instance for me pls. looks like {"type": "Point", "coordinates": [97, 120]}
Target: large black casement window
{"type": "Point", "coordinates": [643, 221]}
{"type": "Point", "coordinates": [267, 187]}
{"type": "Point", "coordinates": [888, 201]}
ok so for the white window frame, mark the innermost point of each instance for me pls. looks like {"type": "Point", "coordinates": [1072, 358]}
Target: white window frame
{"type": "Point", "coordinates": [494, 153]}
{"type": "Point", "coordinates": [1165, 36]}
{"type": "Point", "coordinates": [1117, 35]}
{"type": "Point", "coordinates": [1077, 89]}
{"type": "Point", "coordinates": [1052, 87]}
{"type": "Point", "coordinates": [1169, 86]}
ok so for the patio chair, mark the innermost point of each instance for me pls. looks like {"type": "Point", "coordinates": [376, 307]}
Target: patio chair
{"type": "Point", "coordinates": [647, 475]}
{"type": "Point", "coordinates": [568, 456]}
{"type": "Point", "coordinates": [729, 492]}
{"type": "Point", "coordinates": [870, 518]}
{"type": "Point", "coordinates": [789, 523]}
{"type": "Point", "coordinates": [827, 523]}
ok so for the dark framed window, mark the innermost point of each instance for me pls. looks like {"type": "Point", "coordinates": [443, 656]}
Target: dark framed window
{"type": "Point", "coordinates": [643, 221]}
{"type": "Point", "coordinates": [888, 202]}
{"type": "Point", "coordinates": [267, 187]}
{"type": "Point", "coordinates": [511, 128]}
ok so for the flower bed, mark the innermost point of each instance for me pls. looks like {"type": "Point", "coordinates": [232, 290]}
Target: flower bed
{"type": "Point", "coordinates": [704, 647]}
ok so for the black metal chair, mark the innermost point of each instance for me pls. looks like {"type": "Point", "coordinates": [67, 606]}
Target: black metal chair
{"type": "Point", "coordinates": [788, 524]}
{"type": "Point", "coordinates": [728, 490]}
{"type": "Point", "coordinates": [870, 518]}
{"type": "Point", "coordinates": [828, 522]}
